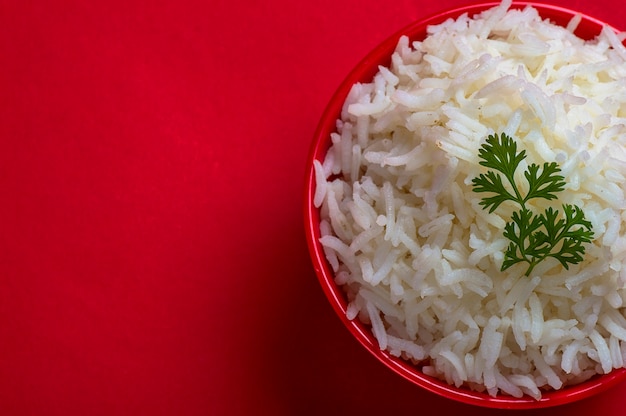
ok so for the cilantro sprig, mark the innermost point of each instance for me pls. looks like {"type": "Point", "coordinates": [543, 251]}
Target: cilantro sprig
{"type": "Point", "coordinates": [533, 237]}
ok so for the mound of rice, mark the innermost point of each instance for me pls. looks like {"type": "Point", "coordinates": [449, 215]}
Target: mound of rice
{"type": "Point", "coordinates": [418, 257]}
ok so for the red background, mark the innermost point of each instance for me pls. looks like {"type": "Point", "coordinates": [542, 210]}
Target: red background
{"type": "Point", "coordinates": [152, 252]}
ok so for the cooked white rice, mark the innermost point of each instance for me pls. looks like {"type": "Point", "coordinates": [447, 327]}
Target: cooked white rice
{"type": "Point", "coordinates": [418, 257]}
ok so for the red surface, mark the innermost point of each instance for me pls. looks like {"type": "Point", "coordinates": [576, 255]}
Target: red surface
{"type": "Point", "coordinates": [152, 252]}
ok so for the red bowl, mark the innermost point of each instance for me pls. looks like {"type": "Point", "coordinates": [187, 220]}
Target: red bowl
{"type": "Point", "coordinates": [588, 28]}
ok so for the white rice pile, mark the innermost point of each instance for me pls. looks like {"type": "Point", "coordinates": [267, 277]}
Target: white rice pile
{"type": "Point", "coordinates": [418, 257]}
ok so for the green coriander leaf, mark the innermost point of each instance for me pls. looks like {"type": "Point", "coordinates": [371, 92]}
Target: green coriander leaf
{"type": "Point", "coordinates": [523, 225]}
{"type": "Point", "coordinates": [546, 184]}
{"type": "Point", "coordinates": [500, 153]}
{"type": "Point", "coordinates": [511, 257]}
{"type": "Point", "coordinates": [492, 182]}
{"type": "Point", "coordinates": [551, 223]}
{"type": "Point", "coordinates": [575, 216]}
{"type": "Point", "coordinates": [533, 237]}
{"type": "Point", "coordinates": [571, 251]}
{"type": "Point", "coordinates": [526, 239]}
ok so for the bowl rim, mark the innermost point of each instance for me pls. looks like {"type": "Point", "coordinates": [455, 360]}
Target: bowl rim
{"type": "Point", "coordinates": [364, 71]}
